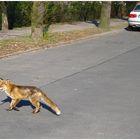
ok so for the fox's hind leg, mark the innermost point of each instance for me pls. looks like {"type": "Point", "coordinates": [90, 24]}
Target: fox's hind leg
{"type": "Point", "coordinates": [35, 102]}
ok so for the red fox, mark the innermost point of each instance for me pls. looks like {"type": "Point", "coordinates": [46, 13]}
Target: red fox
{"type": "Point", "coordinates": [19, 92]}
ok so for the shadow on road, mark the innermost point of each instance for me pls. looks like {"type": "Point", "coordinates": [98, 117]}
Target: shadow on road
{"type": "Point", "coordinates": [95, 22]}
{"type": "Point", "coordinates": [136, 29]}
{"type": "Point", "coordinates": [26, 103]}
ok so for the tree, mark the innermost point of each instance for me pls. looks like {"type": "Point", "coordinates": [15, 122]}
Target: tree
{"type": "Point", "coordinates": [122, 10]}
{"type": "Point", "coordinates": [37, 20]}
{"type": "Point", "coordinates": [21, 13]}
{"type": "Point", "coordinates": [105, 15]}
{"type": "Point", "coordinates": [129, 6]}
{"type": "Point", "coordinates": [4, 17]}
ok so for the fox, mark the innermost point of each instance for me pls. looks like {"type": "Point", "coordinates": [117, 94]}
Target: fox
{"type": "Point", "coordinates": [31, 93]}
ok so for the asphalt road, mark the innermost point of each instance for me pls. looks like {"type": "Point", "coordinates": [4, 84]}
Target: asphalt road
{"type": "Point", "coordinates": [95, 82]}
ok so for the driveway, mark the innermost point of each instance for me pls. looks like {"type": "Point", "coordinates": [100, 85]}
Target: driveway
{"type": "Point", "coordinates": [94, 81]}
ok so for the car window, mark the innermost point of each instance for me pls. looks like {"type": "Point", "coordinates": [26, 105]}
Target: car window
{"type": "Point", "coordinates": [137, 8]}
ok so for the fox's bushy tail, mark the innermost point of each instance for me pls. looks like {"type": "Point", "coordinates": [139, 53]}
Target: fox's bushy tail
{"type": "Point", "coordinates": [51, 104]}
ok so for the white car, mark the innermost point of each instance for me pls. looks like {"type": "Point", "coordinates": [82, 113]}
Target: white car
{"type": "Point", "coordinates": [134, 17]}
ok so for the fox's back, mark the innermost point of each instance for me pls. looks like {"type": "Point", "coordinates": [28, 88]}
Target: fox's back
{"type": "Point", "coordinates": [25, 91]}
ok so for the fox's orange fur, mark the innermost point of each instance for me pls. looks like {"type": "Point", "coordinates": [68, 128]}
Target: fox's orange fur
{"type": "Point", "coordinates": [34, 94]}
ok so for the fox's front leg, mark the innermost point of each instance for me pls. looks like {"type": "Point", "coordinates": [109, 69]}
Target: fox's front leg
{"type": "Point", "coordinates": [13, 104]}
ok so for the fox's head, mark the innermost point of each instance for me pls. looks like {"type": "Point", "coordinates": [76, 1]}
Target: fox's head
{"type": "Point", "coordinates": [4, 84]}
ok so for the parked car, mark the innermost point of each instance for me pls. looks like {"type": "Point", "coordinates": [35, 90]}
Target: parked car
{"type": "Point", "coordinates": [134, 17]}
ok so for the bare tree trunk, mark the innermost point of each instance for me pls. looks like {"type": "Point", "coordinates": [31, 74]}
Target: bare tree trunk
{"type": "Point", "coordinates": [105, 15]}
{"type": "Point", "coordinates": [37, 20]}
{"type": "Point", "coordinates": [4, 17]}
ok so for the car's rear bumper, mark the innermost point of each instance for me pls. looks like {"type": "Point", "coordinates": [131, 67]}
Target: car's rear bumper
{"type": "Point", "coordinates": [134, 23]}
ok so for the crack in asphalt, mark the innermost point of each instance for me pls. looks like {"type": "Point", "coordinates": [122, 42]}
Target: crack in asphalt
{"type": "Point", "coordinates": [90, 67]}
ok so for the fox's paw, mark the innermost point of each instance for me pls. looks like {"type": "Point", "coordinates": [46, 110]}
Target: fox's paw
{"type": "Point", "coordinates": [10, 109]}
{"type": "Point", "coordinates": [35, 111]}
{"type": "Point", "coordinates": [15, 109]}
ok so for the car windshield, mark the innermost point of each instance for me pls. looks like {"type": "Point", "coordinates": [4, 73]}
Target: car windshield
{"type": "Point", "coordinates": [137, 8]}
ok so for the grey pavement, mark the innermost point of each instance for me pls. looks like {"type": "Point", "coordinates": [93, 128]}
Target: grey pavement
{"type": "Point", "coordinates": [94, 81]}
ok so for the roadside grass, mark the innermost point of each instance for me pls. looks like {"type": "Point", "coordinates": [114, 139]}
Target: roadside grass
{"type": "Point", "coordinates": [22, 44]}
{"type": "Point", "coordinates": [54, 38]}
{"type": "Point", "coordinates": [57, 37]}
{"type": "Point", "coordinates": [119, 26]}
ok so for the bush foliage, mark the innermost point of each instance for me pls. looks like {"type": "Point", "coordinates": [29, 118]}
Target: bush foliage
{"type": "Point", "coordinates": [19, 12]}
